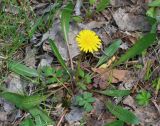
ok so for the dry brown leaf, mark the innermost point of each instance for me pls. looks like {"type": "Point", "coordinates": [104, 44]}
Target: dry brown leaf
{"type": "Point", "coordinates": [113, 75]}
{"type": "Point", "coordinates": [108, 63]}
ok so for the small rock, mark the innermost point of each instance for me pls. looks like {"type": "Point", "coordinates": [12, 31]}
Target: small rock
{"type": "Point", "coordinates": [76, 114]}
{"type": "Point", "coordinates": [45, 61]}
{"type": "Point", "coordinates": [8, 107]}
{"type": "Point", "coordinates": [3, 116]}
{"type": "Point", "coordinates": [14, 83]}
{"type": "Point", "coordinates": [127, 85]}
{"type": "Point", "coordinates": [124, 46]}
{"type": "Point", "coordinates": [99, 107]}
{"type": "Point", "coordinates": [129, 101]}
{"type": "Point", "coordinates": [130, 22]}
{"type": "Point", "coordinates": [30, 57]}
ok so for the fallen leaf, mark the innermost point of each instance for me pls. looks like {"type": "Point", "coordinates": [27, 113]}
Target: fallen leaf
{"type": "Point", "coordinates": [91, 25]}
{"type": "Point", "coordinates": [129, 22]}
{"type": "Point", "coordinates": [55, 33]}
{"type": "Point", "coordinates": [108, 63]}
{"type": "Point", "coordinates": [99, 82]}
{"type": "Point", "coordinates": [147, 115]}
{"type": "Point", "coordinates": [118, 3]}
{"type": "Point", "coordinates": [114, 75]}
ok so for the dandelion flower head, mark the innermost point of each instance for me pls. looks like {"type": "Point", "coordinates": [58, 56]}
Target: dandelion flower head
{"type": "Point", "coordinates": [88, 41]}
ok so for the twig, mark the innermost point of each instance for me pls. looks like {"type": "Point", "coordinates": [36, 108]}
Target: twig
{"type": "Point", "coordinates": [72, 67]}
{"type": "Point", "coordinates": [59, 122]}
{"type": "Point", "coordinates": [69, 54]}
{"type": "Point", "coordinates": [157, 107]}
{"type": "Point", "coordinates": [1, 57]}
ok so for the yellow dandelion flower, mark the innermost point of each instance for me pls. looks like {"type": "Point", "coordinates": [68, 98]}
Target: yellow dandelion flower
{"type": "Point", "coordinates": [88, 41]}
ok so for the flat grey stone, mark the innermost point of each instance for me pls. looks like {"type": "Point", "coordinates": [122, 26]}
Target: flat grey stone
{"type": "Point", "coordinates": [75, 115]}
{"type": "Point", "coordinates": [130, 22]}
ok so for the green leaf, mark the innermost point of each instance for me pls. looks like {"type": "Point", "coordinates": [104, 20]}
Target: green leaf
{"type": "Point", "coordinates": [48, 71]}
{"type": "Point", "coordinates": [81, 85]}
{"type": "Point", "coordinates": [155, 3]}
{"type": "Point", "coordinates": [77, 19]}
{"type": "Point", "coordinates": [154, 28]}
{"type": "Point", "coordinates": [88, 107]}
{"type": "Point", "coordinates": [65, 19]}
{"type": "Point", "coordinates": [27, 122]}
{"type": "Point", "coordinates": [14, 98]}
{"type": "Point", "coordinates": [151, 12]}
{"type": "Point", "coordinates": [23, 102]}
{"type": "Point", "coordinates": [143, 98]}
{"type": "Point", "coordinates": [88, 78]}
{"type": "Point", "coordinates": [116, 123]}
{"type": "Point", "coordinates": [92, 1]}
{"type": "Point", "coordinates": [32, 101]}
{"type": "Point", "coordinates": [90, 100]}
{"type": "Point", "coordinates": [116, 93]}
{"type": "Point", "coordinates": [80, 72]}
{"type": "Point", "coordinates": [109, 52]}
{"type": "Point", "coordinates": [102, 5]}
{"type": "Point", "coordinates": [39, 121]}
{"type": "Point", "coordinates": [22, 69]}
{"type": "Point", "coordinates": [59, 73]}
{"type": "Point", "coordinates": [28, 103]}
{"type": "Point", "coordinates": [122, 114]}
{"type": "Point", "coordinates": [87, 95]}
{"type": "Point", "coordinates": [81, 102]}
{"type": "Point", "coordinates": [79, 98]}
{"type": "Point", "coordinates": [139, 47]}
{"type": "Point", "coordinates": [52, 80]}
{"type": "Point", "coordinates": [43, 115]}
{"type": "Point", "coordinates": [58, 55]}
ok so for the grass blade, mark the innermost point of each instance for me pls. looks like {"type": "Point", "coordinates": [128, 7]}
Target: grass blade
{"type": "Point", "coordinates": [34, 27]}
{"type": "Point", "coordinates": [116, 93]}
{"type": "Point", "coordinates": [102, 5]}
{"type": "Point", "coordinates": [109, 52]}
{"type": "Point", "coordinates": [140, 45]}
{"type": "Point", "coordinates": [65, 19]}
{"type": "Point", "coordinates": [122, 114]}
{"type": "Point", "coordinates": [22, 69]}
{"type": "Point", "coordinates": [58, 55]}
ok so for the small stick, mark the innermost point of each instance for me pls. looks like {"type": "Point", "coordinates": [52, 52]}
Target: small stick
{"type": "Point", "coordinates": [157, 107]}
{"type": "Point", "coordinates": [59, 122]}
